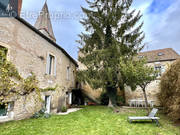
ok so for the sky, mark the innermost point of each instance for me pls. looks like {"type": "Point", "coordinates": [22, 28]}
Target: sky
{"type": "Point", "coordinates": [161, 22]}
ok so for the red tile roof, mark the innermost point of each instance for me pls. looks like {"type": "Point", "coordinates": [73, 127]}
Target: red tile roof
{"type": "Point", "coordinates": [167, 54]}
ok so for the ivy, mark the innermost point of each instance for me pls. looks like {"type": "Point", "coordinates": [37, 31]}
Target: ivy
{"type": "Point", "coordinates": [49, 89]}
{"type": "Point", "coordinates": [12, 84]}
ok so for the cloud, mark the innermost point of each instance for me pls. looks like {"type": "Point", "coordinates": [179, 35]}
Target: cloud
{"type": "Point", "coordinates": [141, 4]}
{"type": "Point", "coordinates": [158, 6]}
{"type": "Point", "coordinates": [66, 25]}
{"type": "Point", "coordinates": [162, 27]}
{"type": "Point", "coordinates": [161, 22]}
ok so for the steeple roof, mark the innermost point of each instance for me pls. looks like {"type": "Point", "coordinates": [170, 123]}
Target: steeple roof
{"type": "Point", "coordinates": [43, 23]}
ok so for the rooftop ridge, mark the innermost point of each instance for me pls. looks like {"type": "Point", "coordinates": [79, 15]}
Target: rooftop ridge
{"type": "Point", "coordinates": [165, 54]}
{"type": "Point", "coordinates": [157, 50]}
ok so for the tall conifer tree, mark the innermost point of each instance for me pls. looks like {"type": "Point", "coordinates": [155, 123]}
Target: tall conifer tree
{"type": "Point", "coordinates": [112, 35]}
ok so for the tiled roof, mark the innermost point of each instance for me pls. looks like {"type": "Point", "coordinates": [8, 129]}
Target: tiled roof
{"type": "Point", "coordinates": [166, 54]}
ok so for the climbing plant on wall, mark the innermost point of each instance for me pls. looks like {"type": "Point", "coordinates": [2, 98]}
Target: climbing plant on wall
{"type": "Point", "coordinates": [12, 84]}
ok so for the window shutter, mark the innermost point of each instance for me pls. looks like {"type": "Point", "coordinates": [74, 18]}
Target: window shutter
{"type": "Point", "coordinates": [9, 107]}
{"type": "Point", "coordinates": [47, 64]}
{"type": "Point", "coordinates": [55, 61]}
{"type": "Point", "coordinates": [163, 69]}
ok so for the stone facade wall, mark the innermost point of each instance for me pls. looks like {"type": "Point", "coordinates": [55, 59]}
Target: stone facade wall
{"type": "Point", "coordinates": [94, 94]}
{"type": "Point", "coordinates": [86, 89]}
{"type": "Point", "coordinates": [29, 51]}
{"type": "Point", "coordinates": [91, 93]}
{"type": "Point", "coordinates": [152, 89]}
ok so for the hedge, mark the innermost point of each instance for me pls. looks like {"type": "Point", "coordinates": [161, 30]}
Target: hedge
{"type": "Point", "coordinates": [169, 95]}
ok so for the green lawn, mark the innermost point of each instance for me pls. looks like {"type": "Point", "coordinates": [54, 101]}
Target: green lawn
{"type": "Point", "coordinates": [90, 121]}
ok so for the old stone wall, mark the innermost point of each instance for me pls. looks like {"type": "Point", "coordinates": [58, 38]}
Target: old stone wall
{"type": "Point", "coordinates": [152, 89]}
{"type": "Point", "coordinates": [29, 51]}
{"type": "Point", "coordinates": [86, 88]}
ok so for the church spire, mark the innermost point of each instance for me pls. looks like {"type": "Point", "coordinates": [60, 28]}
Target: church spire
{"type": "Point", "coordinates": [43, 23]}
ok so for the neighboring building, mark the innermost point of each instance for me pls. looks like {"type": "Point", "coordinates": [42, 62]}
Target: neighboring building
{"type": "Point", "coordinates": [34, 49]}
{"type": "Point", "coordinates": [161, 61]}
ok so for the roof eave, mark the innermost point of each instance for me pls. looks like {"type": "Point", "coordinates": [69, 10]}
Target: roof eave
{"type": "Point", "coordinates": [161, 60]}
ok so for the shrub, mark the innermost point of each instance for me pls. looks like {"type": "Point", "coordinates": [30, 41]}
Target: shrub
{"type": "Point", "coordinates": [104, 99]}
{"type": "Point", "coordinates": [41, 113]}
{"type": "Point", "coordinates": [64, 109]}
{"type": "Point", "coordinates": [120, 100]}
{"type": "Point", "coordinates": [169, 95]}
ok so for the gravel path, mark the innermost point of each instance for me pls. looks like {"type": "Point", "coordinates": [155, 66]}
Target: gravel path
{"type": "Point", "coordinates": [69, 111]}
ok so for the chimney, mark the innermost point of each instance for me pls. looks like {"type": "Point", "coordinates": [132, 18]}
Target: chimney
{"type": "Point", "coordinates": [19, 7]}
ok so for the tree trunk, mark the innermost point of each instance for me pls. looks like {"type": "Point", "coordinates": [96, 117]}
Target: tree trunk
{"type": "Point", "coordinates": [111, 92]}
{"type": "Point", "coordinates": [110, 103]}
{"type": "Point", "coordinates": [146, 100]}
{"type": "Point", "coordinates": [124, 96]}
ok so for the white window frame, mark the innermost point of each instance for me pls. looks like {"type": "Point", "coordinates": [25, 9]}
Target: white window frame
{"type": "Point", "coordinates": [48, 110]}
{"type": "Point", "coordinates": [163, 69]}
{"type": "Point", "coordinates": [158, 68]}
{"type": "Point", "coordinates": [70, 98]}
{"type": "Point", "coordinates": [7, 114]}
{"type": "Point", "coordinates": [53, 67]}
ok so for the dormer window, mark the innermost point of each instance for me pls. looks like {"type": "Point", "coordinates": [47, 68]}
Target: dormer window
{"type": "Point", "coordinates": [140, 56]}
{"type": "Point", "coordinates": [160, 54]}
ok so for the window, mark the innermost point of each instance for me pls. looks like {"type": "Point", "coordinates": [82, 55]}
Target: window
{"type": "Point", "coordinates": [51, 65]}
{"type": "Point", "coordinates": [163, 69]}
{"type": "Point", "coordinates": [140, 56]}
{"type": "Point", "coordinates": [69, 98]}
{"type": "Point", "coordinates": [160, 54]}
{"type": "Point", "coordinates": [68, 73]}
{"type": "Point", "coordinates": [73, 78]}
{"type": "Point", "coordinates": [159, 69]}
{"type": "Point", "coordinates": [47, 103]}
{"type": "Point", "coordinates": [3, 110]}
{"type": "Point", "coordinates": [4, 50]}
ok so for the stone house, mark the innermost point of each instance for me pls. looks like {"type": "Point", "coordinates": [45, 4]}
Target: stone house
{"type": "Point", "coordinates": [161, 61]}
{"type": "Point", "coordinates": [34, 49]}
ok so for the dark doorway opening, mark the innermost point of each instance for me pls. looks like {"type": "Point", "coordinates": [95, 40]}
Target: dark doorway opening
{"type": "Point", "coordinates": [77, 97]}
{"type": "Point", "coordinates": [3, 110]}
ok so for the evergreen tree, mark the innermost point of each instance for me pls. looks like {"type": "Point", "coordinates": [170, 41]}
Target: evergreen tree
{"type": "Point", "coordinates": [112, 35]}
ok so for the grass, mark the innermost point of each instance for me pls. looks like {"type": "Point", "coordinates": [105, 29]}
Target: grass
{"type": "Point", "coordinates": [96, 120]}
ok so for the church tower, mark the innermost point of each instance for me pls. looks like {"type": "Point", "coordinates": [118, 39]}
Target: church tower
{"type": "Point", "coordinates": [43, 23]}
